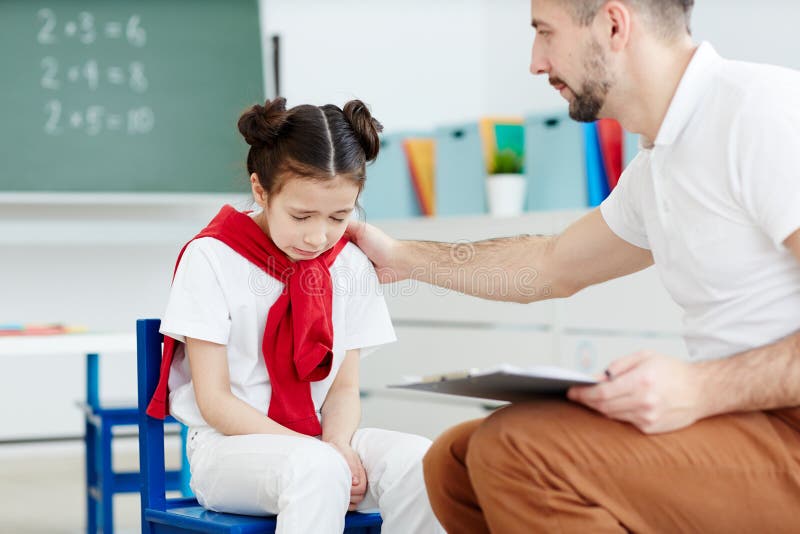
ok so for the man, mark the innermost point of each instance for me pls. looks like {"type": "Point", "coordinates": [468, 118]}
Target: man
{"type": "Point", "coordinates": [713, 200]}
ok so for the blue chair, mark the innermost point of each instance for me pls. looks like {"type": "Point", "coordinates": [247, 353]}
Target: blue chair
{"type": "Point", "coordinates": [102, 482]}
{"type": "Point", "coordinates": [162, 515]}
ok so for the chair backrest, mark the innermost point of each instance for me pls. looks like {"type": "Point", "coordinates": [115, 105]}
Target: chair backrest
{"type": "Point", "coordinates": [151, 430]}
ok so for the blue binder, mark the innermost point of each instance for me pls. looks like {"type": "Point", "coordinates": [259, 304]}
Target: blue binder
{"type": "Point", "coordinates": [555, 163]}
{"type": "Point", "coordinates": [460, 171]}
{"type": "Point", "coordinates": [596, 178]}
{"type": "Point", "coordinates": [388, 192]}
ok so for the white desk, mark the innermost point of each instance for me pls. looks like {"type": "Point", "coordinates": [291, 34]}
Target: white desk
{"type": "Point", "coordinates": [67, 344]}
{"type": "Point", "coordinates": [41, 377]}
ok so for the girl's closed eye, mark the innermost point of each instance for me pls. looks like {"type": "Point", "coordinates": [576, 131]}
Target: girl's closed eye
{"type": "Point", "coordinates": [296, 218]}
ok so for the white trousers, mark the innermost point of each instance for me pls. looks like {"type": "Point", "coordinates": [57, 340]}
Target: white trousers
{"type": "Point", "coordinates": [306, 482]}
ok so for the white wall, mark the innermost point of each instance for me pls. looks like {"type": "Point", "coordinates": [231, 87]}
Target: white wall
{"type": "Point", "coordinates": [421, 63]}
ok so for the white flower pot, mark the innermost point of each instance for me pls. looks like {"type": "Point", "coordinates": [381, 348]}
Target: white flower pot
{"type": "Point", "coordinates": [506, 194]}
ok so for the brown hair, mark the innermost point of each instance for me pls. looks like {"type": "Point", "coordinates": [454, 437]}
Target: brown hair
{"type": "Point", "coordinates": [310, 142]}
{"type": "Point", "coordinates": [668, 18]}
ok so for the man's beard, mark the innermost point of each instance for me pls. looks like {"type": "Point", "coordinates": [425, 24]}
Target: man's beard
{"type": "Point", "coordinates": [586, 105]}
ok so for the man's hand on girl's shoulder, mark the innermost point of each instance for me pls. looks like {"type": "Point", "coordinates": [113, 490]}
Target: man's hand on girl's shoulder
{"type": "Point", "coordinates": [381, 249]}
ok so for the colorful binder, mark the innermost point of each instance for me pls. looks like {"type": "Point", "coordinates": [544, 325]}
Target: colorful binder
{"type": "Point", "coordinates": [555, 163]}
{"type": "Point", "coordinates": [389, 192]}
{"type": "Point", "coordinates": [421, 159]}
{"type": "Point", "coordinates": [460, 171]}
{"type": "Point", "coordinates": [610, 134]}
{"type": "Point", "coordinates": [596, 179]}
{"type": "Point", "coordinates": [631, 147]}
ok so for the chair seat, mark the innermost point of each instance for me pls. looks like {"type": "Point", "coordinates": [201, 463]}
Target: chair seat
{"type": "Point", "coordinates": [186, 513]}
{"type": "Point", "coordinates": [114, 414]}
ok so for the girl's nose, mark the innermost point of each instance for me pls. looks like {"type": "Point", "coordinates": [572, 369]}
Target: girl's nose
{"type": "Point", "coordinates": [316, 239]}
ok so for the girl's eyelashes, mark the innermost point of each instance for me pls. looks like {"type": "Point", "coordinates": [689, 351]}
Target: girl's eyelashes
{"type": "Point", "coordinates": [296, 218]}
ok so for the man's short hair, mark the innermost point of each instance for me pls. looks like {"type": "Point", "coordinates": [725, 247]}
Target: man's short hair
{"type": "Point", "coordinates": [668, 18]}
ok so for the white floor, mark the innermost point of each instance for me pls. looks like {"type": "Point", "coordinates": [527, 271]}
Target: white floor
{"type": "Point", "coordinates": [43, 489]}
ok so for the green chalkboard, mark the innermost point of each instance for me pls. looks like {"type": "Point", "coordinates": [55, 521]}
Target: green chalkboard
{"type": "Point", "coordinates": [126, 95]}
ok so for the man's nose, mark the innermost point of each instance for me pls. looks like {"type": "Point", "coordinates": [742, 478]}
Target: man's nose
{"type": "Point", "coordinates": [539, 63]}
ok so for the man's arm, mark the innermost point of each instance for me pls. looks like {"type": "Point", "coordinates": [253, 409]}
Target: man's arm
{"type": "Point", "coordinates": [659, 394]}
{"type": "Point", "coordinates": [521, 269]}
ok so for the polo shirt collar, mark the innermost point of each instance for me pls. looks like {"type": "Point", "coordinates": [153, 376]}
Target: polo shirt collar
{"type": "Point", "coordinates": [687, 97]}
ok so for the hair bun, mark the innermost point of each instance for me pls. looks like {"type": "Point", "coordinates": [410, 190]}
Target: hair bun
{"type": "Point", "coordinates": [260, 125]}
{"type": "Point", "coordinates": [365, 127]}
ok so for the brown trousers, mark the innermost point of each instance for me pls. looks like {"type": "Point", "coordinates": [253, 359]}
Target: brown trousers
{"type": "Point", "coordinates": [554, 466]}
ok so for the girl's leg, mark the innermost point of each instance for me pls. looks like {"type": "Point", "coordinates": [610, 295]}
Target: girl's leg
{"type": "Point", "coordinates": [393, 461]}
{"type": "Point", "coordinates": [304, 481]}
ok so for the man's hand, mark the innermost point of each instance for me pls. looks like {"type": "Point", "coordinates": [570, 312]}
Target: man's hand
{"type": "Point", "coordinates": [358, 487]}
{"type": "Point", "coordinates": [381, 250]}
{"type": "Point", "coordinates": [653, 392]}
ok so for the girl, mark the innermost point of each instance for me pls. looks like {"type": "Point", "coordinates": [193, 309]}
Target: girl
{"type": "Point", "coordinates": [268, 315]}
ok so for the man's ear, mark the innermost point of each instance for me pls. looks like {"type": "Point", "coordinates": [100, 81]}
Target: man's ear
{"type": "Point", "coordinates": [616, 19]}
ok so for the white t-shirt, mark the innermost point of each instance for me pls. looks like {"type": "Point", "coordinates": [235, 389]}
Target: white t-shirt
{"type": "Point", "coordinates": [715, 197]}
{"type": "Point", "coordinates": [219, 296]}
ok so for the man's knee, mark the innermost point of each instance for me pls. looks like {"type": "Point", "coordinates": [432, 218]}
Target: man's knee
{"type": "Point", "coordinates": [526, 430]}
{"type": "Point", "coordinates": [446, 452]}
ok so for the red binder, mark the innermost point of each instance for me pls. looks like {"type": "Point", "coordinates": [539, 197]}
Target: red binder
{"type": "Point", "coordinates": [611, 139]}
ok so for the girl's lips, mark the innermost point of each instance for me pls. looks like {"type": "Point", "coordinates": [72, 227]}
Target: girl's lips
{"type": "Point", "coordinates": [300, 252]}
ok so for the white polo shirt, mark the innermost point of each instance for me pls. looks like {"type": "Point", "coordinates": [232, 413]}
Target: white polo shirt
{"type": "Point", "coordinates": [714, 198]}
{"type": "Point", "coordinates": [219, 296]}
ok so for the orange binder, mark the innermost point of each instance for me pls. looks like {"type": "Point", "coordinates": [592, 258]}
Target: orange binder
{"type": "Point", "coordinates": [421, 157]}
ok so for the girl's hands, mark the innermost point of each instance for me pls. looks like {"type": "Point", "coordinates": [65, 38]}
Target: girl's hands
{"type": "Point", "coordinates": [358, 486]}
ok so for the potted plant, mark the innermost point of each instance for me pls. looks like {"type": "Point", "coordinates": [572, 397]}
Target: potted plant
{"type": "Point", "coordinates": [505, 185]}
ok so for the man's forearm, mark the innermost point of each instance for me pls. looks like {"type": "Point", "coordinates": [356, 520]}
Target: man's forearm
{"type": "Point", "coordinates": [508, 269]}
{"type": "Point", "coordinates": [760, 379]}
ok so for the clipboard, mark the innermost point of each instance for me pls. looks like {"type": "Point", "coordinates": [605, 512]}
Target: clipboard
{"type": "Point", "coordinates": [504, 382]}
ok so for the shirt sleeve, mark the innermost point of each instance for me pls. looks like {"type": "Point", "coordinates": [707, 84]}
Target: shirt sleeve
{"type": "Point", "coordinates": [622, 208]}
{"type": "Point", "coordinates": [769, 167]}
{"type": "Point", "coordinates": [197, 307]}
{"type": "Point", "coordinates": [368, 324]}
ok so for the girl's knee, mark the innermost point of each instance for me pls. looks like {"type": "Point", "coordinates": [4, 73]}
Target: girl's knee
{"type": "Point", "coordinates": [317, 464]}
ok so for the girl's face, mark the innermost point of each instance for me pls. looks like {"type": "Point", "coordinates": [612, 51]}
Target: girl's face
{"type": "Point", "coordinates": [306, 217]}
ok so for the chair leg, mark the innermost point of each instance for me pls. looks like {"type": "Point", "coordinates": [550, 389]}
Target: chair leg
{"type": "Point", "coordinates": [90, 442]}
{"type": "Point", "coordinates": [186, 474]}
{"type": "Point", "coordinates": [106, 481]}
